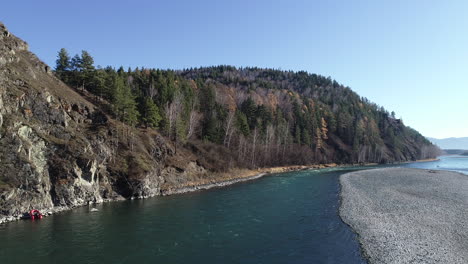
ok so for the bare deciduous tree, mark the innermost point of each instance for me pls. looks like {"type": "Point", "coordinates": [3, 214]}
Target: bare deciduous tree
{"type": "Point", "coordinates": [173, 110]}
{"type": "Point", "coordinates": [229, 128]}
{"type": "Point", "coordinates": [194, 122]}
{"type": "Point", "coordinates": [254, 139]}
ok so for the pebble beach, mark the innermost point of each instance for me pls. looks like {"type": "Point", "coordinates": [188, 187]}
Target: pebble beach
{"type": "Point", "coordinates": [406, 215]}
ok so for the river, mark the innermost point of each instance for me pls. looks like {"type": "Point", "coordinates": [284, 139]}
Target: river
{"type": "Point", "coordinates": [283, 218]}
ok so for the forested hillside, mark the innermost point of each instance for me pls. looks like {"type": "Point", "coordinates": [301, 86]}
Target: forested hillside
{"type": "Point", "coordinates": [249, 117]}
{"type": "Point", "coordinates": [115, 134]}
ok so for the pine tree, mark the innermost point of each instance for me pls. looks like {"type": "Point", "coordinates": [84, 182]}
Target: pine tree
{"type": "Point", "coordinates": [99, 83]}
{"type": "Point", "coordinates": [109, 83]}
{"type": "Point", "coordinates": [76, 63]}
{"type": "Point", "coordinates": [87, 70]}
{"type": "Point", "coordinates": [207, 105]}
{"type": "Point", "coordinates": [241, 123]}
{"type": "Point", "coordinates": [87, 62]}
{"type": "Point", "coordinates": [124, 102]}
{"type": "Point", "coordinates": [151, 116]}
{"type": "Point", "coordinates": [181, 130]}
{"type": "Point", "coordinates": [63, 65]}
{"type": "Point", "coordinates": [76, 67]}
{"type": "Point", "coordinates": [249, 108]}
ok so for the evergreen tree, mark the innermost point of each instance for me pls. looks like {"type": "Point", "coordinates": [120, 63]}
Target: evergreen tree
{"type": "Point", "coordinates": [124, 102]}
{"type": "Point", "coordinates": [87, 70]}
{"type": "Point", "coordinates": [99, 83]}
{"type": "Point", "coordinates": [241, 123]}
{"type": "Point", "coordinates": [207, 105]}
{"type": "Point", "coordinates": [181, 130]}
{"type": "Point", "coordinates": [62, 65]}
{"type": "Point", "coordinates": [249, 108]}
{"type": "Point", "coordinates": [121, 71]}
{"type": "Point", "coordinates": [76, 63]}
{"type": "Point", "coordinates": [151, 116]}
{"type": "Point", "coordinates": [76, 66]}
{"type": "Point", "coordinates": [109, 83]}
{"type": "Point", "coordinates": [87, 62]}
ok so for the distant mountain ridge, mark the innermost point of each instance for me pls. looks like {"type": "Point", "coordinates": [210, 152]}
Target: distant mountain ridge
{"type": "Point", "coordinates": [451, 143]}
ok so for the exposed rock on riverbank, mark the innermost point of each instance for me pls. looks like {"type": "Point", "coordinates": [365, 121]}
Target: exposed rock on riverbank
{"type": "Point", "coordinates": [408, 215]}
{"type": "Point", "coordinates": [213, 180]}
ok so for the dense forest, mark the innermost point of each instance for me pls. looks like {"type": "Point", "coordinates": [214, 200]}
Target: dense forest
{"type": "Point", "coordinates": [249, 117]}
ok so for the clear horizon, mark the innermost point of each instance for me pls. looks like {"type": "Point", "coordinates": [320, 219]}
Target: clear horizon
{"type": "Point", "coordinates": [408, 56]}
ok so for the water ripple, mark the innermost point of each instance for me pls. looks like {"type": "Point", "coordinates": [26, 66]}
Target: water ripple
{"type": "Point", "coordinates": [287, 218]}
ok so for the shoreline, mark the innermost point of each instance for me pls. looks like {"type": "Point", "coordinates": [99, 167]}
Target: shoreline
{"type": "Point", "coordinates": [229, 178]}
{"type": "Point", "coordinates": [261, 172]}
{"type": "Point", "coordinates": [420, 161]}
{"type": "Point", "coordinates": [247, 175]}
{"type": "Point", "coordinates": [209, 185]}
{"type": "Point", "coordinates": [236, 176]}
{"type": "Point", "coordinates": [407, 215]}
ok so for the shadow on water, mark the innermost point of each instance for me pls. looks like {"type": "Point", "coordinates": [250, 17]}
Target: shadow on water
{"type": "Point", "coordinates": [283, 218]}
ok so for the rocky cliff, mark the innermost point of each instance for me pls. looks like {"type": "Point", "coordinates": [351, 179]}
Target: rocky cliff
{"type": "Point", "coordinates": [58, 150]}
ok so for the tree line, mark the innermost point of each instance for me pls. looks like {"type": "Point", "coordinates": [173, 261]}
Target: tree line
{"type": "Point", "coordinates": [264, 117]}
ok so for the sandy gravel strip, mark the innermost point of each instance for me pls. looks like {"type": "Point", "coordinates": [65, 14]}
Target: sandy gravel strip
{"type": "Point", "coordinates": [209, 186]}
{"type": "Point", "coordinates": [408, 215]}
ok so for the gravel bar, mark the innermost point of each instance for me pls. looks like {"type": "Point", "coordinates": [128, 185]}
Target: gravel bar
{"type": "Point", "coordinates": [406, 215]}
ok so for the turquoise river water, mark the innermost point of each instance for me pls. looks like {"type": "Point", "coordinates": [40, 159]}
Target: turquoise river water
{"type": "Point", "coordinates": [283, 218]}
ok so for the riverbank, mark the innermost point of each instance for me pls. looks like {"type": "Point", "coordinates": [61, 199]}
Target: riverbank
{"type": "Point", "coordinates": [208, 181]}
{"type": "Point", "coordinates": [421, 160]}
{"type": "Point", "coordinates": [233, 176]}
{"type": "Point", "coordinates": [407, 215]}
{"type": "Point", "coordinates": [241, 175]}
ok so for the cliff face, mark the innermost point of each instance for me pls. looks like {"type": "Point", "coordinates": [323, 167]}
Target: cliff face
{"type": "Point", "coordinates": [58, 150]}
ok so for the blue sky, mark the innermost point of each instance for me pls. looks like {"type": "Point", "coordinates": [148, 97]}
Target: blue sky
{"type": "Point", "coordinates": [409, 56]}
